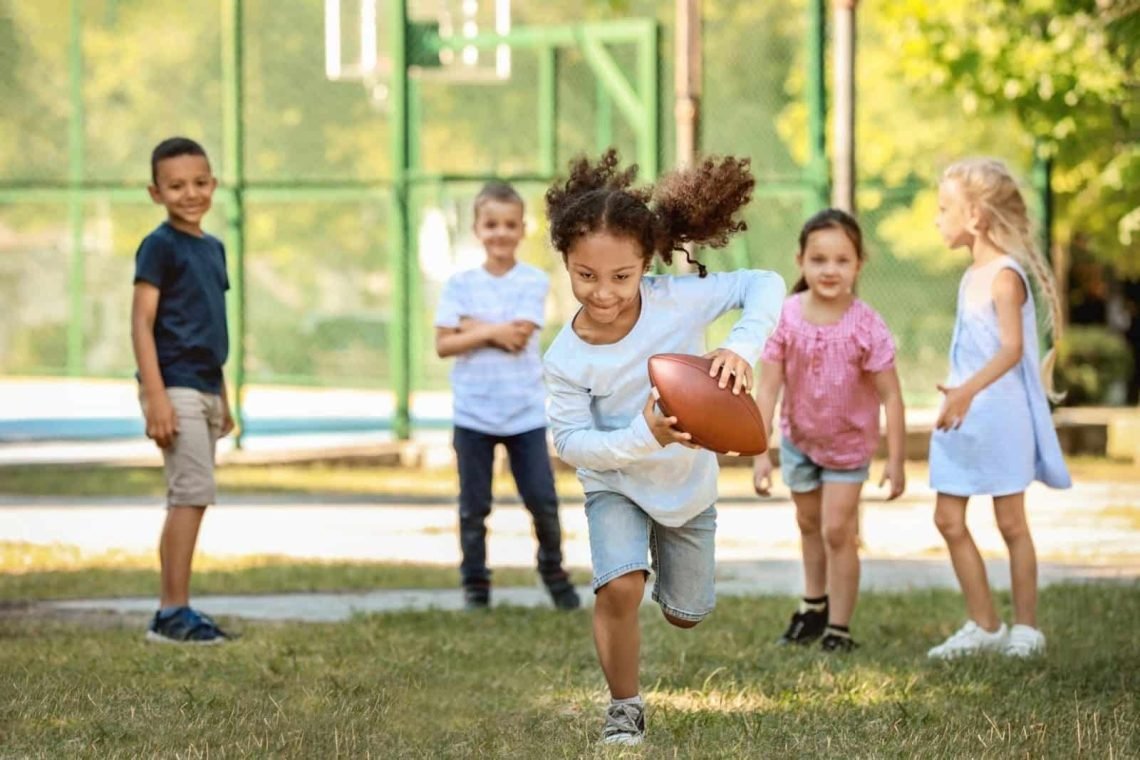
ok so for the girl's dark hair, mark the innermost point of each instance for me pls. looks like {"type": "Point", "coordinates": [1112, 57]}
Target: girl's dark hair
{"type": "Point", "coordinates": [691, 205]}
{"type": "Point", "coordinates": [830, 219]}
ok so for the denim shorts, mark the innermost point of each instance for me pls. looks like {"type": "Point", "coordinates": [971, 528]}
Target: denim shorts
{"type": "Point", "coordinates": [801, 474]}
{"type": "Point", "coordinates": [623, 538]}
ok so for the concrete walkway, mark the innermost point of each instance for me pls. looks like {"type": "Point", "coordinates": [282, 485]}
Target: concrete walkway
{"type": "Point", "coordinates": [746, 579]}
{"type": "Point", "coordinates": [1091, 532]}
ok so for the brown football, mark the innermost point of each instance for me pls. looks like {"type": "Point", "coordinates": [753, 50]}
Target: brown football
{"type": "Point", "coordinates": [715, 418]}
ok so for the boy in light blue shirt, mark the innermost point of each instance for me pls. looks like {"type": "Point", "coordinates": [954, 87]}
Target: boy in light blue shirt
{"type": "Point", "coordinates": [488, 318]}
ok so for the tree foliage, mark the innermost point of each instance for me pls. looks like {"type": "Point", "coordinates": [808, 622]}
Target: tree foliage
{"type": "Point", "coordinates": [1065, 73]}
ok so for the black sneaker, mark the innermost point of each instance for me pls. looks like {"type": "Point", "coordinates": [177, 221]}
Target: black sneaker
{"type": "Point", "coordinates": [837, 642]}
{"type": "Point", "coordinates": [562, 593]}
{"type": "Point", "coordinates": [805, 627]}
{"type": "Point", "coordinates": [185, 626]}
{"type": "Point", "coordinates": [476, 597]}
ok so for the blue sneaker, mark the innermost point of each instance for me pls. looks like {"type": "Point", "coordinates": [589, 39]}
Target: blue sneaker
{"type": "Point", "coordinates": [185, 626]}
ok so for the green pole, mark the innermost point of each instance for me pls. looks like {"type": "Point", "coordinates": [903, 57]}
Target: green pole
{"type": "Point", "coordinates": [649, 85]}
{"type": "Point", "coordinates": [400, 345]}
{"type": "Point", "coordinates": [817, 109]}
{"type": "Point", "coordinates": [603, 118]}
{"type": "Point", "coordinates": [233, 153]}
{"type": "Point", "coordinates": [76, 160]}
{"type": "Point", "coordinates": [548, 110]}
{"type": "Point", "coordinates": [414, 209]}
{"type": "Point", "coordinates": [1043, 183]}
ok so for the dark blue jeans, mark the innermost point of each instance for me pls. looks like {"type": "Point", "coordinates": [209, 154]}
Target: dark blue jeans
{"type": "Point", "coordinates": [530, 465]}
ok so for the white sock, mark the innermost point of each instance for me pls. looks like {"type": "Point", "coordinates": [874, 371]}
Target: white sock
{"type": "Point", "coordinates": [634, 700]}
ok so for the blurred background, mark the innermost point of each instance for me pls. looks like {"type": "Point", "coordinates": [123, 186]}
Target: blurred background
{"type": "Point", "coordinates": [338, 243]}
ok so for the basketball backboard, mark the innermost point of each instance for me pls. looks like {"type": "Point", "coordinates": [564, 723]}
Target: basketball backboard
{"type": "Point", "coordinates": [356, 41]}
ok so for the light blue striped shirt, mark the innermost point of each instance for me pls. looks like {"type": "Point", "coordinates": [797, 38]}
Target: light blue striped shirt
{"type": "Point", "coordinates": [597, 392]}
{"type": "Point", "coordinates": [496, 392]}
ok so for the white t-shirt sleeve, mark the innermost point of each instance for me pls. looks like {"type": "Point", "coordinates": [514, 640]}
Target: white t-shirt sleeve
{"type": "Point", "coordinates": [760, 294]}
{"type": "Point", "coordinates": [452, 305]}
{"type": "Point", "coordinates": [532, 301]}
{"type": "Point", "coordinates": [579, 443]}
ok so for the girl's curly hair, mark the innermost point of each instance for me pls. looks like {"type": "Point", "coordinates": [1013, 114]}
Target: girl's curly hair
{"type": "Point", "coordinates": [691, 205]}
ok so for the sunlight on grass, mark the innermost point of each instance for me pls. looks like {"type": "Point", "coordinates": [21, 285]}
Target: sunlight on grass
{"type": "Point", "coordinates": [41, 572]}
{"type": "Point", "coordinates": [440, 483]}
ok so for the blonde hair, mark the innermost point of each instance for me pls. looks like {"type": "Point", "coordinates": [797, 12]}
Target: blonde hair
{"type": "Point", "coordinates": [988, 184]}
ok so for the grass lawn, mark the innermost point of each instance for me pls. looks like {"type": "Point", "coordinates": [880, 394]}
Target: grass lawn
{"type": "Point", "coordinates": [441, 483]}
{"type": "Point", "coordinates": [524, 684]}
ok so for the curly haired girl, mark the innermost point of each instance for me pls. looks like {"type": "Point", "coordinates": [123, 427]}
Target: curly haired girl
{"type": "Point", "coordinates": [649, 491]}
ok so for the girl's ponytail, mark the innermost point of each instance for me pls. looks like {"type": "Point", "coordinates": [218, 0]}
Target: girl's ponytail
{"type": "Point", "coordinates": [697, 204]}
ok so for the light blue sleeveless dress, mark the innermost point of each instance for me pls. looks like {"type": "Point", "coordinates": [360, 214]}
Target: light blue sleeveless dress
{"type": "Point", "coordinates": [1007, 439]}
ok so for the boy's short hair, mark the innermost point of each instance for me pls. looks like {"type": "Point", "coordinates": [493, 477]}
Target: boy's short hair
{"type": "Point", "coordinates": [172, 147]}
{"type": "Point", "coordinates": [497, 191]}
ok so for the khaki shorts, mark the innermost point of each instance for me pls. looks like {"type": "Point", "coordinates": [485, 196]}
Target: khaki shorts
{"type": "Point", "coordinates": [189, 462]}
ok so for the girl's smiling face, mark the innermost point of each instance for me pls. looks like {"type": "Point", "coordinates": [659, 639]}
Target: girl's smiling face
{"type": "Point", "coordinates": [605, 276]}
{"type": "Point", "coordinates": [829, 263]}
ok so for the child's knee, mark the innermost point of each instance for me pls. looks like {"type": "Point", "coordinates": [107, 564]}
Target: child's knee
{"type": "Point", "coordinates": [680, 622]}
{"type": "Point", "coordinates": [839, 535]}
{"type": "Point", "coordinates": [809, 523]}
{"type": "Point", "coordinates": [950, 525]}
{"type": "Point", "coordinates": [622, 593]}
{"type": "Point", "coordinates": [1013, 528]}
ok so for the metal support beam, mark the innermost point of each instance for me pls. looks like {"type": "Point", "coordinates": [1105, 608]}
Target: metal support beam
{"type": "Point", "coordinates": [649, 87]}
{"type": "Point", "coordinates": [603, 117]}
{"type": "Point", "coordinates": [817, 109]}
{"type": "Point", "coordinates": [548, 110]}
{"type": "Point", "coordinates": [611, 77]}
{"type": "Point", "coordinates": [843, 171]}
{"type": "Point", "coordinates": [687, 80]}
{"type": "Point", "coordinates": [233, 179]}
{"type": "Point", "coordinates": [400, 354]}
{"type": "Point", "coordinates": [76, 160]}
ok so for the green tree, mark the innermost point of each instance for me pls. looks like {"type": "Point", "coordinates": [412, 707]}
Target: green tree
{"type": "Point", "coordinates": [1066, 74]}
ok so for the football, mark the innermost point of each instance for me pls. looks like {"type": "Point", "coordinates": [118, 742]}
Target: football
{"type": "Point", "coordinates": [715, 418]}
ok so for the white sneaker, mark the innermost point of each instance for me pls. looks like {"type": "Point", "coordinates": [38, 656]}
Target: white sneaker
{"type": "Point", "coordinates": [625, 724]}
{"type": "Point", "coordinates": [1024, 641]}
{"type": "Point", "coordinates": [970, 639]}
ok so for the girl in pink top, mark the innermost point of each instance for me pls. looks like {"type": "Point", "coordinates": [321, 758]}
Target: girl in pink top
{"type": "Point", "coordinates": [835, 359]}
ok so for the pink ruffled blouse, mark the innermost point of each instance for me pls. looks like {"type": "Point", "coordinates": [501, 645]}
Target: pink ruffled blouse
{"type": "Point", "coordinates": [830, 409]}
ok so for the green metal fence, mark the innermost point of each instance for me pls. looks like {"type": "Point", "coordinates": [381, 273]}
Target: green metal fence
{"type": "Point", "coordinates": [325, 208]}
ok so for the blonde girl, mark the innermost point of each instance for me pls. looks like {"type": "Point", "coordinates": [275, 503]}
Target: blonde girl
{"type": "Point", "coordinates": [994, 434]}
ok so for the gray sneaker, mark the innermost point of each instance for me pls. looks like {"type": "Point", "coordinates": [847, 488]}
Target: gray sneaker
{"type": "Point", "coordinates": [625, 724]}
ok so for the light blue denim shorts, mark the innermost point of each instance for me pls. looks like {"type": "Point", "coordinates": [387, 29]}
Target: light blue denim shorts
{"type": "Point", "coordinates": [801, 474]}
{"type": "Point", "coordinates": [623, 539]}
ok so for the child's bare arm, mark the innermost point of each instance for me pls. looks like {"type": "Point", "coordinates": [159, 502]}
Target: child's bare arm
{"type": "Point", "coordinates": [890, 394]}
{"type": "Point", "coordinates": [161, 421]}
{"type": "Point", "coordinates": [1008, 294]}
{"type": "Point", "coordinates": [227, 415]}
{"type": "Point", "coordinates": [767, 393]}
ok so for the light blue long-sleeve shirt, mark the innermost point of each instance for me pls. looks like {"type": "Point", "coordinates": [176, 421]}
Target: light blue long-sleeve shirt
{"type": "Point", "coordinates": [598, 392]}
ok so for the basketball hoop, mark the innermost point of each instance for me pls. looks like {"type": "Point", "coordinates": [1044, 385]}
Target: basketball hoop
{"type": "Point", "coordinates": [355, 42]}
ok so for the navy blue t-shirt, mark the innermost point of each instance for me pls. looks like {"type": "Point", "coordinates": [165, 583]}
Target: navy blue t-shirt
{"type": "Point", "coordinates": [190, 326]}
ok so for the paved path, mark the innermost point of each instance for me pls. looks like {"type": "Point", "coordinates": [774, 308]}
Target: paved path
{"type": "Point", "coordinates": [1089, 532]}
{"type": "Point", "coordinates": [745, 579]}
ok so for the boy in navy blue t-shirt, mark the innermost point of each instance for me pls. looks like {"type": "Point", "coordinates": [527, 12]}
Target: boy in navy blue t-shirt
{"type": "Point", "coordinates": [178, 329]}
